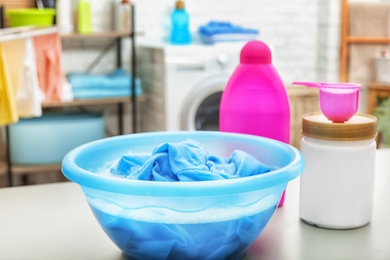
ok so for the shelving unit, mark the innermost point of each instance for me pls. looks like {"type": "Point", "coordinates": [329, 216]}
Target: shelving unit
{"type": "Point", "coordinates": [90, 102]}
{"type": "Point", "coordinates": [10, 170]}
{"type": "Point", "coordinates": [115, 40]}
{"type": "Point", "coordinates": [375, 90]}
{"type": "Point", "coordinates": [346, 40]}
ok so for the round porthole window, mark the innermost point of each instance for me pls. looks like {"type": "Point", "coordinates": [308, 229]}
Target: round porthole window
{"type": "Point", "coordinates": [200, 110]}
{"type": "Point", "coordinates": [207, 115]}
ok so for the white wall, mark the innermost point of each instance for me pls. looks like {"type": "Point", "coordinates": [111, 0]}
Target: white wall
{"type": "Point", "coordinates": [289, 26]}
{"type": "Point", "coordinates": [303, 33]}
{"type": "Point", "coordinates": [328, 40]}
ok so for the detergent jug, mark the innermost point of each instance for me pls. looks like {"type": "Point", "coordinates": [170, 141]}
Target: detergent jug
{"type": "Point", "coordinates": [255, 100]}
{"type": "Point", "coordinates": [180, 22]}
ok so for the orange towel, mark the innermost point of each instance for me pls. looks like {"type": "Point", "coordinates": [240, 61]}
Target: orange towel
{"type": "Point", "coordinates": [50, 74]}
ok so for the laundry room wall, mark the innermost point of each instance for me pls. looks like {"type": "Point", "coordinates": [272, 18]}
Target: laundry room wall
{"type": "Point", "coordinates": [304, 34]}
{"type": "Point", "coordinates": [290, 27]}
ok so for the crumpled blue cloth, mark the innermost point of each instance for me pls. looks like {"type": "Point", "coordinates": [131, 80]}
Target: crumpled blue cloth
{"type": "Point", "coordinates": [186, 161]}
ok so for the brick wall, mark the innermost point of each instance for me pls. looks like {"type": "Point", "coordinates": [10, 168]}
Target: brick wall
{"type": "Point", "coordinates": [289, 26]}
{"type": "Point", "coordinates": [304, 34]}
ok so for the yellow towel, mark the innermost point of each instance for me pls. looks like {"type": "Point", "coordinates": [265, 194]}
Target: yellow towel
{"type": "Point", "coordinates": [21, 64]}
{"type": "Point", "coordinates": [14, 53]}
{"type": "Point", "coordinates": [8, 113]}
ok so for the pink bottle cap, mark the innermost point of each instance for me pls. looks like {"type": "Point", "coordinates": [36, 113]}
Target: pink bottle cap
{"type": "Point", "coordinates": [255, 52]}
{"type": "Point", "coordinates": [338, 101]}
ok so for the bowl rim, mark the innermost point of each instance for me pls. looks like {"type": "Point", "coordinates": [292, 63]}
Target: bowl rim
{"type": "Point", "coordinates": [107, 183]}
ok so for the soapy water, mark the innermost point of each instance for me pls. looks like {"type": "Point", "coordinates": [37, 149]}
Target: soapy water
{"type": "Point", "coordinates": [181, 227]}
{"type": "Point", "coordinates": [183, 210]}
{"type": "Point", "coordinates": [215, 240]}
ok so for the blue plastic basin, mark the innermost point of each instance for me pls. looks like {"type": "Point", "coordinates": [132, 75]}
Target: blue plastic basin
{"type": "Point", "coordinates": [46, 139]}
{"type": "Point", "coordinates": [183, 220]}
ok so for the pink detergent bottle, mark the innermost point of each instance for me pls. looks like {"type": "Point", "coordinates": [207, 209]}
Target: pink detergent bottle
{"type": "Point", "coordinates": [255, 100]}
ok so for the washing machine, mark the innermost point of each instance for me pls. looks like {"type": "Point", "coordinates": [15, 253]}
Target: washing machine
{"type": "Point", "coordinates": [183, 84]}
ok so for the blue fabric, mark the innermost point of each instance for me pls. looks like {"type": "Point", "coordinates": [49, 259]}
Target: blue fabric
{"type": "Point", "coordinates": [115, 84]}
{"type": "Point", "coordinates": [220, 27]}
{"type": "Point", "coordinates": [206, 241]}
{"type": "Point", "coordinates": [104, 93]}
{"type": "Point", "coordinates": [186, 161]}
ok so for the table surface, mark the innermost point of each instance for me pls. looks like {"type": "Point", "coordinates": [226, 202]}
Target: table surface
{"type": "Point", "coordinates": [53, 221]}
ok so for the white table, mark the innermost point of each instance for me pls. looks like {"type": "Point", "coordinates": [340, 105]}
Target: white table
{"type": "Point", "coordinates": [53, 221]}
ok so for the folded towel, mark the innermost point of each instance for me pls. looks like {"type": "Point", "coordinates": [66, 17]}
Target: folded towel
{"type": "Point", "coordinates": [216, 27]}
{"type": "Point", "coordinates": [119, 78]}
{"type": "Point", "coordinates": [115, 84]}
{"type": "Point", "coordinates": [186, 161]}
{"type": "Point", "coordinates": [227, 37]}
{"type": "Point", "coordinates": [104, 92]}
{"type": "Point", "coordinates": [216, 31]}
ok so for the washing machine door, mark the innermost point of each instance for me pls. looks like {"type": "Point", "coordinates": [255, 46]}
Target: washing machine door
{"type": "Point", "coordinates": [200, 109]}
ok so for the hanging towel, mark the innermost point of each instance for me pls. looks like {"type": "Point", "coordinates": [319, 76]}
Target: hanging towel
{"type": "Point", "coordinates": [21, 63]}
{"type": "Point", "coordinates": [48, 57]}
{"type": "Point", "coordinates": [29, 96]}
{"type": "Point", "coordinates": [8, 112]}
{"type": "Point", "coordinates": [186, 161]}
{"type": "Point", "coordinates": [14, 52]}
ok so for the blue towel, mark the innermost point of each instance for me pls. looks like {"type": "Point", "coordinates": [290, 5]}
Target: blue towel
{"type": "Point", "coordinates": [186, 161]}
{"type": "Point", "coordinates": [215, 31]}
{"type": "Point", "coordinates": [217, 27]}
{"type": "Point", "coordinates": [104, 92]}
{"type": "Point", "coordinates": [115, 84]}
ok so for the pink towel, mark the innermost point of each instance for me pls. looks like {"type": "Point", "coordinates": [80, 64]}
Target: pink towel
{"type": "Point", "coordinates": [50, 74]}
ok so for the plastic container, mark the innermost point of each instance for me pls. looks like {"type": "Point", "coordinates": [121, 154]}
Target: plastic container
{"type": "Point", "coordinates": [122, 15]}
{"type": "Point", "coordinates": [337, 184]}
{"type": "Point", "coordinates": [382, 67]}
{"type": "Point", "coordinates": [255, 100]}
{"type": "Point", "coordinates": [338, 101]}
{"type": "Point", "coordinates": [180, 23]}
{"type": "Point", "coordinates": [84, 17]}
{"type": "Point", "coordinates": [191, 220]}
{"type": "Point", "coordinates": [64, 16]}
{"type": "Point", "coordinates": [30, 16]}
{"type": "Point", "coordinates": [49, 3]}
{"type": "Point", "coordinates": [46, 139]}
